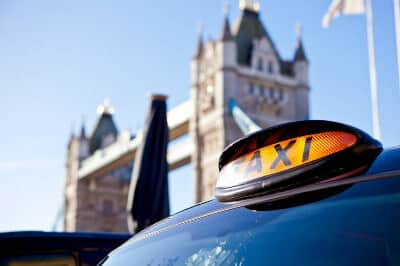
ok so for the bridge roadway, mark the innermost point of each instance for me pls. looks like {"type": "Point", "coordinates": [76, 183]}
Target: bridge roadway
{"type": "Point", "coordinates": [123, 152]}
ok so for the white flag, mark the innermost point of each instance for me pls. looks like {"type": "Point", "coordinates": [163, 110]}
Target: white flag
{"type": "Point", "coordinates": [345, 7]}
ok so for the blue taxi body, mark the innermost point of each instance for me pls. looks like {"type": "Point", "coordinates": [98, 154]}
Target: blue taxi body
{"type": "Point", "coordinates": [346, 221]}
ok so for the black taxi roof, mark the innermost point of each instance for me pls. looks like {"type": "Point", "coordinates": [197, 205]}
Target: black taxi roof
{"type": "Point", "coordinates": [386, 164]}
{"type": "Point", "coordinates": [91, 247]}
{"type": "Point", "coordinates": [30, 240]}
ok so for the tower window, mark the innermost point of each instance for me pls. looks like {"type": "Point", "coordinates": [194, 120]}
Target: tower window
{"type": "Point", "coordinates": [270, 67]}
{"type": "Point", "coordinates": [108, 207]}
{"type": "Point", "coordinates": [270, 93]}
{"type": "Point", "coordinates": [262, 90]}
{"type": "Point", "coordinates": [280, 95]}
{"type": "Point", "coordinates": [260, 64]}
{"type": "Point", "coordinates": [251, 88]}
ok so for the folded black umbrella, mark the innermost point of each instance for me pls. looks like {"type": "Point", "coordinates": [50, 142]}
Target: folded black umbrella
{"type": "Point", "coordinates": [148, 199]}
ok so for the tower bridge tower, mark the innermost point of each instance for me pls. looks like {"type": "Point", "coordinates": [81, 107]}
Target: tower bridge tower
{"type": "Point", "coordinates": [242, 64]}
{"type": "Point", "coordinates": [245, 65]}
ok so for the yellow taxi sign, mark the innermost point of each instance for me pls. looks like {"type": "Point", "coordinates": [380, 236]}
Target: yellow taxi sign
{"type": "Point", "coordinates": [282, 156]}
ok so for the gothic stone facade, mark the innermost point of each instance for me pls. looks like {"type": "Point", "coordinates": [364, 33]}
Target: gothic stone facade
{"type": "Point", "coordinates": [96, 203]}
{"type": "Point", "coordinates": [243, 64]}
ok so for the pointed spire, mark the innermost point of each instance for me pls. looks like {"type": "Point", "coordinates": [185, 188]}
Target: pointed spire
{"type": "Point", "coordinates": [105, 126]}
{"type": "Point", "coordinates": [299, 54]}
{"type": "Point", "coordinates": [226, 34]}
{"type": "Point", "coordinates": [83, 130]}
{"type": "Point", "coordinates": [71, 135]}
{"type": "Point", "coordinates": [72, 130]}
{"type": "Point", "coordinates": [200, 44]}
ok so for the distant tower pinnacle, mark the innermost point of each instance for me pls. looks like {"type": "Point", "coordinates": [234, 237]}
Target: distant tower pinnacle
{"type": "Point", "coordinates": [226, 34]}
{"type": "Point", "coordinates": [105, 108]}
{"type": "Point", "coordinates": [252, 5]}
{"type": "Point", "coordinates": [72, 131]}
{"type": "Point", "coordinates": [83, 129]}
{"type": "Point", "coordinates": [200, 44]}
{"type": "Point", "coordinates": [298, 31]}
{"type": "Point", "coordinates": [300, 54]}
{"type": "Point", "coordinates": [227, 9]}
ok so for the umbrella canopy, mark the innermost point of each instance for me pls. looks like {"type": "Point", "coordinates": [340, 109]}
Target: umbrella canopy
{"type": "Point", "coordinates": [148, 199]}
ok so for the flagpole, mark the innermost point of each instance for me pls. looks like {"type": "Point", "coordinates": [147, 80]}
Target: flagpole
{"type": "Point", "coordinates": [372, 71]}
{"type": "Point", "coordinates": [396, 6]}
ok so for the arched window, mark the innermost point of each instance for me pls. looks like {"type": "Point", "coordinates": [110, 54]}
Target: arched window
{"type": "Point", "coordinates": [251, 88]}
{"type": "Point", "coordinates": [280, 94]}
{"type": "Point", "coordinates": [261, 91]}
{"type": "Point", "coordinates": [270, 67]}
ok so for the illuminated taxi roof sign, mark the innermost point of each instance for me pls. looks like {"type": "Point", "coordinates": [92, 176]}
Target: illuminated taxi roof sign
{"type": "Point", "coordinates": [273, 156]}
{"type": "Point", "coordinates": [283, 156]}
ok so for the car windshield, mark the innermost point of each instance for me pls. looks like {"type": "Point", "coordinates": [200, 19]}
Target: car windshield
{"type": "Point", "coordinates": [358, 226]}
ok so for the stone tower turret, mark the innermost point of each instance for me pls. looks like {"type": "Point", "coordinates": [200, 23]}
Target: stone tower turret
{"type": "Point", "coordinates": [300, 68]}
{"type": "Point", "coordinates": [244, 65]}
{"type": "Point", "coordinates": [71, 179]}
{"type": "Point", "coordinates": [96, 202]}
{"type": "Point", "coordinates": [77, 151]}
{"type": "Point", "coordinates": [300, 60]}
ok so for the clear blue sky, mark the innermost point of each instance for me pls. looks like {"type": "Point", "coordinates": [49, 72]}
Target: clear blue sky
{"type": "Point", "coordinates": [59, 59]}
